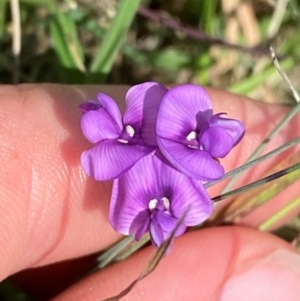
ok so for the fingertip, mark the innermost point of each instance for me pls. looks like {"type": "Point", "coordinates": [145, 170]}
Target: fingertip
{"type": "Point", "coordinates": [275, 277]}
{"type": "Point", "coordinates": [197, 268]}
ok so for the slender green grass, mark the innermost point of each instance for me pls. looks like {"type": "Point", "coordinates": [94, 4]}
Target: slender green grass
{"type": "Point", "coordinates": [276, 129]}
{"type": "Point", "coordinates": [286, 210]}
{"type": "Point", "coordinates": [66, 43]}
{"type": "Point", "coordinates": [291, 172]}
{"type": "Point", "coordinates": [112, 41]}
{"type": "Point", "coordinates": [207, 14]}
{"type": "Point", "coordinates": [254, 162]}
{"type": "Point", "coordinates": [2, 17]}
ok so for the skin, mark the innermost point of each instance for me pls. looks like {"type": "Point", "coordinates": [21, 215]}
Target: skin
{"type": "Point", "coordinates": [51, 211]}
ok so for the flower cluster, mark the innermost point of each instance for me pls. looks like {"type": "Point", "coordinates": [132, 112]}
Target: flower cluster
{"type": "Point", "coordinates": [158, 154]}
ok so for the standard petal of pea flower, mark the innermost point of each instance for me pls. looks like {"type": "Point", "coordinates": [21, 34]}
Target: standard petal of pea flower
{"type": "Point", "coordinates": [152, 197]}
{"type": "Point", "coordinates": [119, 141]}
{"type": "Point", "coordinates": [191, 137]}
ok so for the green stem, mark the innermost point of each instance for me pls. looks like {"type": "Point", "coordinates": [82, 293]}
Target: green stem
{"type": "Point", "coordinates": [256, 161]}
{"type": "Point", "coordinates": [260, 182]}
{"type": "Point", "coordinates": [273, 220]}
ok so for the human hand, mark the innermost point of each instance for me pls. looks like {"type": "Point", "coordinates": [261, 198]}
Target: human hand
{"type": "Point", "coordinates": [51, 211]}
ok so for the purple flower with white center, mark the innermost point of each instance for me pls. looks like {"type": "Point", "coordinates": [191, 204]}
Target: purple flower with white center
{"type": "Point", "coordinates": [191, 137]}
{"type": "Point", "coordinates": [120, 142]}
{"type": "Point", "coordinates": [152, 196]}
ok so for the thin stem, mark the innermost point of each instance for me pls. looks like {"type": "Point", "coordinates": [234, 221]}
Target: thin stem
{"type": "Point", "coordinates": [255, 184]}
{"type": "Point", "coordinates": [277, 18]}
{"type": "Point", "coordinates": [16, 46]}
{"type": "Point", "coordinates": [195, 33]}
{"type": "Point", "coordinates": [105, 258]}
{"type": "Point", "coordinates": [112, 41]}
{"type": "Point", "coordinates": [279, 125]}
{"type": "Point", "coordinates": [254, 162]}
{"type": "Point", "coordinates": [276, 129]}
{"type": "Point", "coordinates": [284, 76]}
{"type": "Point", "coordinates": [270, 222]}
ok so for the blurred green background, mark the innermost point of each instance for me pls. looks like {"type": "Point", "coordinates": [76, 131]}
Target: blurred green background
{"type": "Point", "coordinates": [220, 43]}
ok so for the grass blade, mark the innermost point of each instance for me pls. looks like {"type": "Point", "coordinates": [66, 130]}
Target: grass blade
{"type": "Point", "coordinates": [254, 162]}
{"type": "Point", "coordinates": [66, 42]}
{"type": "Point", "coordinates": [273, 220]}
{"type": "Point", "coordinates": [207, 15]}
{"type": "Point", "coordinates": [248, 84]}
{"type": "Point", "coordinates": [17, 37]}
{"type": "Point", "coordinates": [112, 40]}
{"type": "Point", "coordinates": [105, 258]}
{"type": "Point", "coordinates": [2, 17]}
{"type": "Point", "coordinates": [280, 124]}
{"type": "Point", "coordinates": [284, 76]}
{"type": "Point", "coordinates": [276, 129]}
{"type": "Point", "coordinates": [250, 200]}
{"type": "Point", "coordinates": [294, 168]}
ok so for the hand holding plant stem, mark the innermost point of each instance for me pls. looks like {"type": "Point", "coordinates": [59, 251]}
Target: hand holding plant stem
{"type": "Point", "coordinates": [51, 211]}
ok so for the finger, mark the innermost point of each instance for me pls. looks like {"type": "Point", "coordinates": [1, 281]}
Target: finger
{"type": "Point", "coordinates": [228, 263]}
{"type": "Point", "coordinates": [50, 209]}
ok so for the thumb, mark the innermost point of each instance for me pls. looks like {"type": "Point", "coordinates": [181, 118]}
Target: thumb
{"type": "Point", "coordinates": [224, 264]}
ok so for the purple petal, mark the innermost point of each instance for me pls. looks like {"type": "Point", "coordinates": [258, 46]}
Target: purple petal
{"type": "Point", "coordinates": [157, 180]}
{"type": "Point", "coordinates": [151, 179]}
{"type": "Point", "coordinates": [185, 197]}
{"type": "Point", "coordinates": [128, 208]}
{"type": "Point", "coordinates": [112, 108]}
{"type": "Point", "coordinates": [179, 189]}
{"type": "Point", "coordinates": [131, 195]}
{"type": "Point", "coordinates": [184, 109]}
{"type": "Point", "coordinates": [140, 224]}
{"type": "Point", "coordinates": [98, 125]}
{"type": "Point", "coordinates": [156, 233]}
{"type": "Point", "coordinates": [234, 128]}
{"type": "Point", "coordinates": [192, 162]}
{"type": "Point", "coordinates": [216, 141]}
{"type": "Point", "coordinates": [90, 105]}
{"type": "Point", "coordinates": [198, 205]}
{"type": "Point", "coordinates": [143, 102]}
{"type": "Point", "coordinates": [168, 223]}
{"type": "Point", "coordinates": [110, 159]}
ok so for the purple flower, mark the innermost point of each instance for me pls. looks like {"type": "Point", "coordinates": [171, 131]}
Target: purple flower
{"type": "Point", "coordinates": [152, 196]}
{"type": "Point", "coordinates": [120, 142]}
{"type": "Point", "coordinates": [191, 137]}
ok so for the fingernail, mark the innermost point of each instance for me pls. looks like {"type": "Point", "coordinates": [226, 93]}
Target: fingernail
{"type": "Point", "coordinates": [273, 277]}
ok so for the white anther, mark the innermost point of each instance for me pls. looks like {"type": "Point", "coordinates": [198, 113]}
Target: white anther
{"type": "Point", "coordinates": [153, 153]}
{"type": "Point", "coordinates": [192, 135]}
{"type": "Point", "coordinates": [152, 204]}
{"type": "Point", "coordinates": [122, 140]}
{"type": "Point", "coordinates": [130, 130]}
{"type": "Point", "coordinates": [166, 202]}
